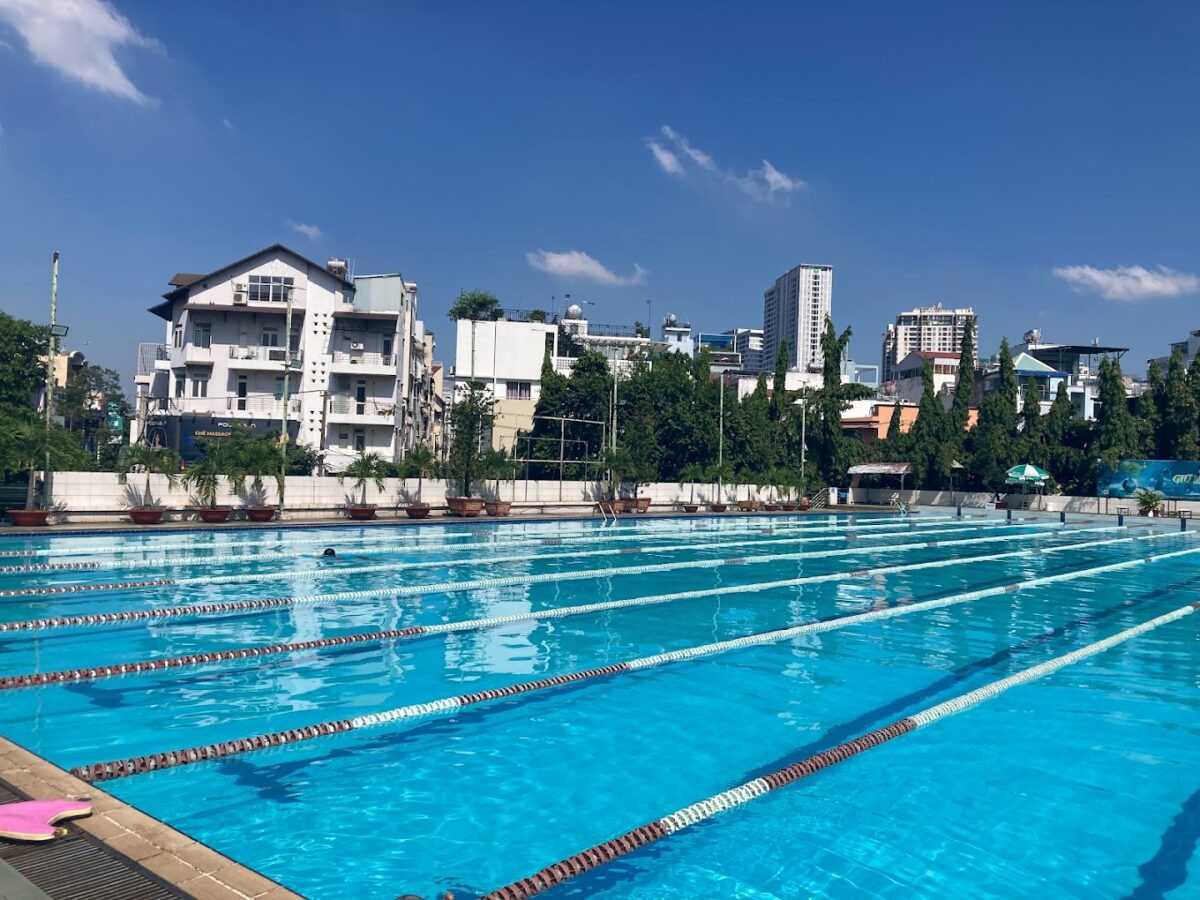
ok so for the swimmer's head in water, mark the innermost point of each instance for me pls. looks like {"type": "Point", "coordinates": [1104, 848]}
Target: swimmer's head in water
{"type": "Point", "coordinates": [329, 551]}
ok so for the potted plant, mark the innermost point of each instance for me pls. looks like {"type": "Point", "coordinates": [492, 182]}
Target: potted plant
{"type": "Point", "coordinates": [786, 485]}
{"type": "Point", "coordinates": [1149, 502]}
{"type": "Point", "coordinates": [690, 474]}
{"type": "Point", "coordinates": [366, 467]}
{"type": "Point", "coordinates": [751, 503]}
{"type": "Point", "coordinates": [618, 463]}
{"type": "Point", "coordinates": [25, 448]}
{"type": "Point", "coordinates": [420, 459]}
{"type": "Point", "coordinates": [470, 418]}
{"type": "Point", "coordinates": [257, 460]}
{"type": "Point", "coordinates": [203, 478]}
{"type": "Point", "coordinates": [152, 461]}
{"type": "Point", "coordinates": [718, 474]}
{"type": "Point", "coordinates": [771, 504]}
{"type": "Point", "coordinates": [496, 464]}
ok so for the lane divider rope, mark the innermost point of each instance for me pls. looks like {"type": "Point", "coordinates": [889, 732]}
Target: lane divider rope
{"type": "Point", "coordinates": [607, 851]}
{"type": "Point", "coordinates": [788, 537]}
{"type": "Point", "coordinates": [106, 771]}
{"type": "Point", "coordinates": [507, 581]}
{"type": "Point", "coordinates": [237, 606]}
{"type": "Point", "coordinates": [91, 673]}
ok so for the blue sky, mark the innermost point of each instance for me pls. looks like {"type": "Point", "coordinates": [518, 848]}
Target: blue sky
{"type": "Point", "coordinates": [1036, 161]}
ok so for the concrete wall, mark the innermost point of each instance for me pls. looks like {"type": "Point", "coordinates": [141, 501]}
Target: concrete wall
{"type": "Point", "coordinates": [99, 497]}
{"type": "Point", "coordinates": [1049, 503]}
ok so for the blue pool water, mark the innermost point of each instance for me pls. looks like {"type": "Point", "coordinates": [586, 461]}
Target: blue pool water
{"type": "Point", "coordinates": [1080, 784]}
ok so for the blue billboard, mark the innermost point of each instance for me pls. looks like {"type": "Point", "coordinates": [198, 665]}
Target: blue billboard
{"type": "Point", "coordinates": [1173, 478]}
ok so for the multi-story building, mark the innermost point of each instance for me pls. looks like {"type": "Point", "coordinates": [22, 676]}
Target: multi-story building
{"type": "Point", "coordinates": [1079, 365]}
{"type": "Point", "coordinates": [748, 343]}
{"type": "Point", "coordinates": [931, 328]}
{"type": "Point", "coordinates": [910, 382]}
{"type": "Point", "coordinates": [677, 336]}
{"type": "Point", "coordinates": [1189, 347]}
{"type": "Point", "coordinates": [278, 341]}
{"type": "Point", "coordinates": [794, 310]}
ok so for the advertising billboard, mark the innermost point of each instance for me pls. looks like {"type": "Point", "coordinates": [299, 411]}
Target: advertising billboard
{"type": "Point", "coordinates": [1173, 478]}
{"type": "Point", "coordinates": [180, 432]}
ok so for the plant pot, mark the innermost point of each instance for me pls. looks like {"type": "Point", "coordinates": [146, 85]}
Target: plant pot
{"type": "Point", "coordinates": [417, 511]}
{"type": "Point", "coordinates": [465, 506]}
{"type": "Point", "coordinates": [643, 504]}
{"type": "Point", "coordinates": [146, 515]}
{"type": "Point", "coordinates": [691, 507]}
{"type": "Point", "coordinates": [790, 506]}
{"type": "Point", "coordinates": [1145, 512]}
{"type": "Point", "coordinates": [771, 507]}
{"type": "Point", "coordinates": [498, 507]}
{"type": "Point", "coordinates": [260, 513]}
{"type": "Point", "coordinates": [213, 514]}
{"type": "Point", "coordinates": [805, 504]}
{"type": "Point", "coordinates": [718, 507]}
{"type": "Point", "coordinates": [361, 511]}
{"type": "Point", "coordinates": [25, 518]}
{"type": "Point", "coordinates": [620, 506]}
{"type": "Point", "coordinates": [748, 505]}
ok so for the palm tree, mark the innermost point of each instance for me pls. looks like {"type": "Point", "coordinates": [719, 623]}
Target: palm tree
{"type": "Point", "coordinates": [691, 473]}
{"type": "Point", "coordinates": [204, 476]}
{"type": "Point", "coordinates": [26, 446]}
{"type": "Point", "coordinates": [151, 460]}
{"type": "Point", "coordinates": [367, 467]}
{"type": "Point", "coordinates": [420, 459]}
{"type": "Point", "coordinates": [256, 460]}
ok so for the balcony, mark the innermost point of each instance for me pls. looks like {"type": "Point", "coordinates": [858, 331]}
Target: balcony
{"type": "Point", "coordinates": [191, 355]}
{"type": "Point", "coordinates": [261, 358]}
{"type": "Point", "coordinates": [624, 367]}
{"type": "Point", "coordinates": [233, 407]}
{"type": "Point", "coordinates": [364, 362]}
{"type": "Point", "coordinates": [149, 357]}
{"type": "Point", "coordinates": [348, 409]}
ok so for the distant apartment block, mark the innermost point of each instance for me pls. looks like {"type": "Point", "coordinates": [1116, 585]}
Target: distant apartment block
{"type": "Point", "coordinates": [932, 329]}
{"type": "Point", "coordinates": [794, 310]}
{"type": "Point", "coordinates": [353, 372]}
{"type": "Point", "coordinates": [748, 343]}
{"type": "Point", "coordinates": [1189, 347]}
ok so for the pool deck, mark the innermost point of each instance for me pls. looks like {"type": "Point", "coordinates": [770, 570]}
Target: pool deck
{"type": "Point", "coordinates": [117, 851]}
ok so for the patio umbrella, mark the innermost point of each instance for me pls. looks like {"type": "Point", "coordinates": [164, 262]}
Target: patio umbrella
{"type": "Point", "coordinates": [1026, 474]}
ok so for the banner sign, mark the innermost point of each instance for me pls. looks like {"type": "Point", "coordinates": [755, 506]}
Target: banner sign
{"type": "Point", "coordinates": [1175, 479]}
{"type": "Point", "coordinates": [180, 432]}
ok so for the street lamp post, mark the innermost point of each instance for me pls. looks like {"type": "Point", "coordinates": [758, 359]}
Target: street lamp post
{"type": "Point", "coordinates": [56, 331]}
{"type": "Point", "coordinates": [287, 374]}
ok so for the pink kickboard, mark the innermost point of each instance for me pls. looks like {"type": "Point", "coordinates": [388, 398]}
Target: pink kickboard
{"type": "Point", "coordinates": [33, 820]}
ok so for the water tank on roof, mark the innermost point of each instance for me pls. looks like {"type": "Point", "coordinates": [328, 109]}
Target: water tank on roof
{"type": "Point", "coordinates": [574, 311]}
{"type": "Point", "coordinates": [671, 320]}
{"type": "Point", "coordinates": [1033, 336]}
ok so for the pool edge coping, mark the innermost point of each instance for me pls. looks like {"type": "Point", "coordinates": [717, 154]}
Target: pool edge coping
{"type": "Point", "coordinates": [186, 864]}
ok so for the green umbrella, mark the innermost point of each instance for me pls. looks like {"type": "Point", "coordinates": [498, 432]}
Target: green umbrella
{"type": "Point", "coordinates": [1025, 473]}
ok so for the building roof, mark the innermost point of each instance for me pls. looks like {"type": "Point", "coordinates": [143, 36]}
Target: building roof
{"type": "Point", "coordinates": [181, 281]}
{"type": "Point", "coordinates": [881, 468]}
{"type": "Point", "coordinates": [923, 355]}
{"type": "Point", "coordinates": [1028, 365]}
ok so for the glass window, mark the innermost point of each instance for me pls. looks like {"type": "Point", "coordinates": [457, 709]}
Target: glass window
{"type": "Point", "coordinates": [270, 288]}
{"type": "Point", "coordinates": [202, 334]}
{"type": "Point", "coordinates": [180, 385]}
{"type": "Point", "coordinates": [200, 386]}
{"type": "Point", "coordinates": [269, 337]}
{"type": "Point", "coordinates": [177, 336]}
{"type": "Point", "coordinates": [278, 387]}
{"type": "Point", "coordinates": [518, 390]}
{"type": "Point", "coordinates": [360, 441]}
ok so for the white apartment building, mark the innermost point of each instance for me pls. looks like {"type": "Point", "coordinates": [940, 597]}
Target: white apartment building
{"type": "Point", "coordinates": [506, 356]}
{"type": "Point", "coordinates": [1189, 347]}
{"type": "Point", "coordinates": [930, 328]}
{"type": "Point", "coordinates": [349, 375]}
{"type": "Point", "coordinates": [748, 344]}
{"type": "Point", "coordinates": [909, 380]}
{"type": "Point", "coordinates": [794, 310]}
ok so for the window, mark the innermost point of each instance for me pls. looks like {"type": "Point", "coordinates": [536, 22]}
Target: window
{"type": "Point", "coordinates": [518, 390]}
{"type": "Point", "coordinates": [270, 288]}
{"type": "Point", "coordinates": [360, 440]}
{"type": "Point", "coordinates": [180, 385]}
{"type": "Point", "coordinates": [199, 385]}
{"type": "Point", "coordinates": [202, 334]}
{"type": "Point", "coordinates": [241, 392]}
{"type": "Point", "coordinates": [278, 387]}
{"type": "Point", "coordinates": [177, 336]}
{"type": "Point", "coordinates": [269, 337]}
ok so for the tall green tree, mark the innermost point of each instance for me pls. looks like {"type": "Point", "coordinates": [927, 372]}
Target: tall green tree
{"type": "Point", "coordinates": [1033, 447]}
{"type": "Point", "coordinates": [993, 440]}
{"type": "Point", "coordinates": [929, 435]}
{"type": "Point", "coordinates": [829, 449]}
{"type": "Point", "coordinates": [1116, 433]}
{"type": "Point", "coordinates": [964, 385]}
{"type": "Point", "coordinates": [22, 361]}
{"type": "Point", "coordinates": [470, 418]}
{"type": "Point", "coordinates": [1146, 423]}
{"type": "Point", "coordinates": [1177, 412]}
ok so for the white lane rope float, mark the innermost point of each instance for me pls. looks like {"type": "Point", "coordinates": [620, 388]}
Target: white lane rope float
{"type": "Point", "coordinates": [91, 673]}
{"type": "Point", "coordinates": [251, 606]}
{"type": "Point", "coordinates": [790, 537]}
{"type": "Point", "coordinates": [104, 771]}
{"type": "Point", "coordinates": [33, 594]}
{"type": "Point", "coordinates": [605, 852]}
{"type": "Point", "coordinates": [497, 534]}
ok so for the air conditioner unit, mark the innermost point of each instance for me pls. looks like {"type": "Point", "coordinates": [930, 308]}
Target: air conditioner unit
{"type": "Point", "coordinates": [356, 345]}
{"type": "Point", "coordinates": [240, 300]}
{"type": "Point", "coordinates": [277, 355]}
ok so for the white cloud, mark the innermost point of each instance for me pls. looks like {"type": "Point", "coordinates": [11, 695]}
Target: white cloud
{"type": "Point", "coordinates": [577, 264]}
{"type": "Point", "coordinates": [312, 232]}
{"type": "Point", "coordinates": [77, 38]}
{"type": "Point", "coordinates": [666, 159]}
{"type": "Point", "coordinates": [228, 125]}
{"type": "Point", "coordinates": [1129, 282]}
{"type": "Point", "coordinates": [765, 183]}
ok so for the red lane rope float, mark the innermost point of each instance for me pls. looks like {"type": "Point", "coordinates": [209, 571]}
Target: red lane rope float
{"type": "Point", "coordinates": [104, 771]}
{"type": "Point", "coordinates": [606, 851]}
{"type": "Point", "coordinates": [117, 618]}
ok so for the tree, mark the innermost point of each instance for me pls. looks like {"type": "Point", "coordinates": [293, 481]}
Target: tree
{"type": "Point", "coordinates": [470, 417]}
{"type": "Point", "coordinates": [1177, 414]}
{"type": "Point", "coordinates": [203, 477]}
{"type": "Point", "coordinates": [152, 461]}
{"type": "Point", "coordinates": [1033, 438]}
{"type": "Point", "coordinates": [421, 461]}
{"type": "Point", "coordinates": [689, 475]}
{"type": "Point", "coordinates": [829, 449]}
{"type": "Point", "coordinates": [255, 459]}
{"type": "Point", "coordinates": [474, 305]}
{"type": "Point", "coordinates": [83, 403]}
{"type": "Point", "coordinates": [993, 439]}
{"type": "Point", "coordinates": [929, 435]}
{"type": "Point", "coordinates": [22, 361]}
{"type": "Point", "coordinates": [1147, 419]}
{"type": "Point", "coordinates": [364, 469]}
{"type": "Point", "coordinates": [25, 444]}
{"type": "Point", "coordinates": [1116, 434]}
{"type": "Point", "coordinates": [537, 315]}
{"type": "Point", "coordinates": [964, 385]}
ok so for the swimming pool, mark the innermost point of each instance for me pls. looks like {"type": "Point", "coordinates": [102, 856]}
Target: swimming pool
{"type": "Point", "coordinates": [1081, 782]}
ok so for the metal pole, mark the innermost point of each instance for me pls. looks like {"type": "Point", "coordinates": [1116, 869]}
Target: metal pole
{"type": "Point", "coordinates": [51, 352]}
{"type": "Point", "coordinates": [287, 374]}
{"type": "Point", "coordinates": [803, 439]}
{"type": "Point", "coordinates": [720, 436]}
{"type": "Point", "coordinates": [562, 436]}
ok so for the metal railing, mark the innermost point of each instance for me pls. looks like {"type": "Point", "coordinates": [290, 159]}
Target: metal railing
{"type": "Point", "coordinates": [349, 406]}
{"type": "Point", "coordinates": [364, 358]}
{"type": "Point", "coordinates": [264, 354]}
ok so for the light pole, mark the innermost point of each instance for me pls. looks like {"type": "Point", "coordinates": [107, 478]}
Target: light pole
{"type": "Point", "coordinates": [720, 435]}
{"type": "Point", "coordinates": [287, 373]}
{"type": "Point", "coordinates": [56, 331]}
{"type": "Point", "coordinates": [803, 438]}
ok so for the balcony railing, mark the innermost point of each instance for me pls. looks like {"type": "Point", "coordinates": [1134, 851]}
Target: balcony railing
{"type": "Point", "coordinates": [148, 355]}
{"type": "Point", "coordinates": [349, 406]}
{"type": "Point", "coordinates": [265, 407]}
{"type": "Point", "coordinates": [364, 358]}
{"type": "Point", "coordinates": [263, 354]}
{"type": "Point", "coordinates": [623, 367]}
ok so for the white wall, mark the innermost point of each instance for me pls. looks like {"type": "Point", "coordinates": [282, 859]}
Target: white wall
{"type": "Point", "coordinates": [978, 500]}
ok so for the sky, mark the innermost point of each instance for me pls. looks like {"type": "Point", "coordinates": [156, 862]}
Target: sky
{"type": "Point", "coordinates": [1036, 161]}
